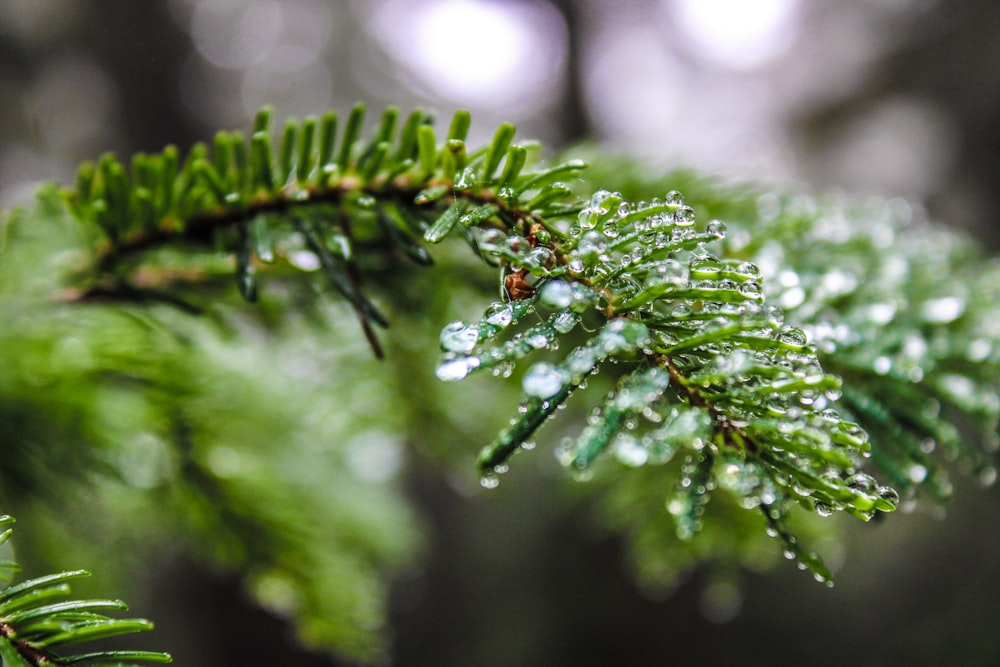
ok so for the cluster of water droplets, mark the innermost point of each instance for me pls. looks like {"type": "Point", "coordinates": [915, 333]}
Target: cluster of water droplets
{"type": "Point", "coordinates": [548, 384]}
{"type": "Point", "coordinates": [761, 378]}
{"type": "Point", "coordinates": [901, 302]}
{"type": "Point", "coordinates": [613, 239]}
{"type": "Point", "coordinates": [544, 380]}
{"type": "Point", "coordinates": [573, 296]}
{"type": "Point", "coordinates": [623, 424]}
{"type": "Point", "coordinates": [692, 493]}
{"type": "Point", "coordinates": [519, 252]}
{"type": "Point", "coordinates": [792, 549]}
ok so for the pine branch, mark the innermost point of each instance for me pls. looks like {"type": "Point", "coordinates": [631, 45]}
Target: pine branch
{"type": "Point", "coordinates": [709, 367]}
{"type": "Point", "coordinates": [243, 199]}
{"type": "Point", "coordinates": [903, 310]}
{"type": "Point", "coordinates": [35, 629]}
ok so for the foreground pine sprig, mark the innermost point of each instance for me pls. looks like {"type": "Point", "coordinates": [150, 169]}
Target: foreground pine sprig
{"type": "Point", "coordinates": [38, 625]}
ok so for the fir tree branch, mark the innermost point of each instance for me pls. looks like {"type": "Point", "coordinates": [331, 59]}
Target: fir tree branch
{"type": "Point", "coordinates": [708, 366]}
{"type": "Point", "coordinates": [33, 627]}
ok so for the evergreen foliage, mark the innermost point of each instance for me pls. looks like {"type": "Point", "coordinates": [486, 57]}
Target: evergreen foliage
{"type": "Point", "coordinates": [35, 627]}
{"type": "Point", "coordinates": [737, 373]}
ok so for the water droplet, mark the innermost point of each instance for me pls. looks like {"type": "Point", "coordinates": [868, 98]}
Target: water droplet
{"type": "Point", "coordinates": [979, 350]}
{"type": "Point", "coordinates": [823, 509]}
{"type": "Point", "coordinates": [918, 474]}
{"type": "Point", "coordinates": [581, 360]}
{"type": "Point", "coordinates": [303, 260]}
{"type": "Point", "coordinates": [750, 289]}
{"type": "Point", "coordinates": [775, 316]}
{"type": "Point", "coordinates": [716, 228]}
{"type": "Point", "coordinates": [677, 235]}
{"type": "Point", "coordinates": [588, 218]}
{"type": "Point", "coordinates": [882, 313]}
{"type": "Point", "coordinates": [456, 369]}
{"type": "Point", "coordinates": [557, 294]}
{"type": "Point", "coordinates": [792, 337]}
{"type": "Point", "coordinates": [629, 451]}
{"type": "Point", "coordinates": [684, 216]}
{"type": "Point", "coordinates": [676, 506]}
{"type": "Point", "coordinates": [673, 198]}
{"type": "Point", "coordinates": [888, 494]}
{"type": "Point", "coordinates": [499, 314]}
{"type": "Point", "coordinates": [489, 481]}
{"type": "Point", "coordinates": [598, 198]}
{"type": "Point", "coordinates": [590, 247]}
{"type": "Point", "coordinates": [943, 310]}
{"type": "Point", "coordinates": [959, 385]}
{"type": "Point", "coordinates": [792, 297]}
{"type": "Point", "coordinates": [541, 257]}
{"type": "Point", "coordinates": [544, 380]}
{"type": "Point", "coordinates": [749, 269]}
{"type": "Point", "coordinates": [517, 244]}
{"type": "Point", "coordinates": [680, 311]}
{"type": "Point", "coordinates": [538, 340]}
{"type": "Point", "coordinates": [507, 193]}
{"type": "Point", "coordinates": [466, 180]}
{"type": "Point", "coordinates": [459, 337]}
{"type": "Point", "coordinates": [705, 267]}
{"type": "Point", "coordinates": [622, 334]}
{"type": "Point", "coordinates": [491, 240]}
{"type": "Point", "coordinates": [882, 365]}
{"type": "Point", "coordinates": [838, 282]}
{"type": "Point", "coordinates": [861, 482]}
{"type": "Point", "coordinates": [564, 322]}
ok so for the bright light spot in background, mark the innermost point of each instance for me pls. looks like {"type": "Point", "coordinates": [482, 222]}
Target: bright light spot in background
{"type": "Point", "coordinates": [741, 34]}
{"type": "Point", "coordinates": [261, 51]}
{"type": "Point", "coordinates": [71, 102]}
{"type": "Point", "coordinates": [476, 52]}
{"type": "Point", "coordinates": [233, 36]}
{"type": "Point", "coordinates": [902, 145]}
{"type": "Point", "coordinates": [300, 89]}
{"type": "Point", "coordinates": [642, 96]}
{"type": "Point", "coordinates": [634, 87]}
{"type": "Point", "coordinates": [374, 456]}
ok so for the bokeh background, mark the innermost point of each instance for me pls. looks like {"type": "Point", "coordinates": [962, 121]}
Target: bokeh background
{"type": "Point", "coordinates": [892, 97]}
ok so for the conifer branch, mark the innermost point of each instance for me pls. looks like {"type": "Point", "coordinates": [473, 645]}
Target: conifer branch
{"type": "Point", "coordinates": [35, 629]}
{"type": "Point", "coordinates": [708, 371]}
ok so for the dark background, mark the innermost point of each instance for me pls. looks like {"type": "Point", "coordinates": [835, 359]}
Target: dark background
{"type": "Point", "coordinates": [893, 97]}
